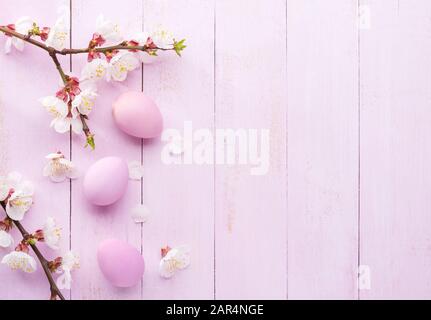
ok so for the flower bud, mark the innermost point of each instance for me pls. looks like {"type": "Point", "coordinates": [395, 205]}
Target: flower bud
{"type": "Point", "coordinates": [55, 264]}
{"type": "Point", "coordinates": [165, 251]}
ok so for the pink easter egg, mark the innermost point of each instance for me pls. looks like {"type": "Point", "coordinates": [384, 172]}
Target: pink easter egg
{"type": "Point", "coordinates": [138, 115]}
{"type": "Point", "coordinates": [121, 264]}
{"type": "Point", "coordinates": [106, 181]}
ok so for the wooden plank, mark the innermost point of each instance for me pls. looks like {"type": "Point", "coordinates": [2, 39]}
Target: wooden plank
{"type": "Point", "coordinates": [91, 225]}
{"type": "Point", "coordinates": [26, 138]}
{"type": "Point", "coordinates": [251, 219]}
{"type": "Point", "coordinates": [395, 151]}
{"type": "Point", "coordinates": [322, 63]}
{"type": "Point", "coordinates": [180, 197]}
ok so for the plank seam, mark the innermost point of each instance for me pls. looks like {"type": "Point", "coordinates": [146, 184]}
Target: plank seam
{"type": "Point", "coordinates": [214, 126]}
{"type": "Point", "coordinates": [70, 139]}
{"type": "Point", "coordinates": [359, 157]}
{"type": "Point", "coordinates": [142, 152]}
{"type": "Point", "coordinates": [287, 166]}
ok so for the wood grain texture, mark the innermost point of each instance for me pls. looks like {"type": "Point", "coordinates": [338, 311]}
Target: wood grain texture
{"type": "Point", "coordinates": [251, 94]}
{"type": "Point", "coordinates": [26, 139]}
{"type": "Point", "coordinates": [348, 183]}
{"type": "Point", "coordinates": [395, 151]}
{"type": "Point", "coordinates": [90, 224]}
{"type": "Point", "coordinates": [180, 197]}
{"type": "Point", "coordinates": [322, 64]}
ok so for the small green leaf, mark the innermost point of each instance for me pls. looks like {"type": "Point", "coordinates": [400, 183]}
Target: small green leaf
{"type": "Point", "coordinates": [179, 46]}
{"type": "Point", "coordinates": [90, 142]}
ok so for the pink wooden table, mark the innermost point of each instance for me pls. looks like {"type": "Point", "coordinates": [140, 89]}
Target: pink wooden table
{"type": "Point", "coordinates": [347, 101]}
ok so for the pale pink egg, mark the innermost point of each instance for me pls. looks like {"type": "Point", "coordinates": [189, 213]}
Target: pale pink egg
{"type": "Point", "coordinates": [121, 264]}
{"type": "Point", "coordinates": [138, 115]}
{"type": "Point", "coordinates": [106, 181]}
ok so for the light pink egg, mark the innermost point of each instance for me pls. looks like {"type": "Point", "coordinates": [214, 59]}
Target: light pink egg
{"type": "Point", "coordinates": [106, 181]}
{"type": "Point", "coordinates": [138, 115]}
{"type": "Point", "coordinates": [121, 264]}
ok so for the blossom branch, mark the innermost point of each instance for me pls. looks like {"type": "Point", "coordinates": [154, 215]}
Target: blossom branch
{"type": "Point", "coordinates": [55, 292]}
{"type": "Point", "coordinates": [71, 85]}
{"type": "Point", "coordinates": [60, 70]}
{"type": "Point", "coordinates": [122, 46]}
{"type": "Point", "coordinates": [53, 54]}
{"type": "Point", "coordinates": [65, 79]}
{"type": "Point", "coordinates": [25, 38]}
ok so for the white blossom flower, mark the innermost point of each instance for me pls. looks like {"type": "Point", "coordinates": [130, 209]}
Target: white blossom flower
{"type": "Point", "coordinates": [4, 188]}
{"type": "Point", "coordinates": [59, 168]}
{"type": "Point", "coordinates": [136, 170]}
{"type": "Point", "coordinates": [140, 213]}
{"type": "Point", "coordinates": [163, 38]}
{"type": "Point", "coordinates": [20, 260]}
{"type": "Point", "coordinates": [62, 122]}
{"type": "Point", "coordinates": [110, 31]}
{"type": "Point", "coordinates": [174, 260]}
{"type": "Point", "coordinates": [23, 26]}
{"type": "Point", "coordinates": [7, 184]}
{"type": "Point", "coordinates": [64, 281]}
{"type": "Point", "coordinates": [6, 239]}
{"type": "Point", "coordinates": [21, 196]}
{"type": "Point", "coordinates": [58, 109]}
{"type": "Point", "coordinates": [51, 233]}
{"type": "Point", "coordinates": [58, 34]}
{"type": "Point", "coordinates": [94, 70]}
{"type": "Point", "coordinates": [121, 64]}
{"type": "Point", "coordinates": [70, 262]}
{"type": "Point", "coordinates": [85, 101]}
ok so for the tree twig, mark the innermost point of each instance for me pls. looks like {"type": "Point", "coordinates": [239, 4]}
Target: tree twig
{"type": "Point", "coordinates": [54, 52]}
{"type": "Point", "coordinates": [43, 46]}
{"type": "Point", "coordinates": [43, 261]}
{"type": "Point", "coordinates": [60, 70]}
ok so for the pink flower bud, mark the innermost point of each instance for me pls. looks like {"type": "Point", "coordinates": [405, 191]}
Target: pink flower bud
{"type": "Point", "coordinates": [44, 33]}
{"type": "Point", "coordinates": [38, 235]}
{"type": "Point", "coordinates": [55, 264]}
{"type": "Point", "coordinates": [110, 54]}
{"type": "Point", "coordinates": [6, 224]}
{"type": "Point", "coordinates": [62, 95]}
{"type": "Point", "coordinates": [150, 44]}
{"type": "Point", "coordinates": [10, 27]}
{"type": "Point", "coordinates": [133, 43]}
{"type": "Point", "coordinates": [165, 251]}
{"type": "Point", "coordinates": [97, 40]}
{"type": "Point", "coordinates": [22, 247]}
{"type": "Point", "coordinates": [93, 55]}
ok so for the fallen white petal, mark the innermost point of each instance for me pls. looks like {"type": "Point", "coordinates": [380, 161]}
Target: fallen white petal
{"type": "Point", "coordinates": [140, 213]}
{"type": "Point", "coordinates": [6, 239]}
{"type": "Point", "coordinates": [176, 259]}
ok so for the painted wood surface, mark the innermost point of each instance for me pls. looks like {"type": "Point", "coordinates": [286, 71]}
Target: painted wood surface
{"type": "Point", "coordinates": [181, 197]}
{"type": "Point", "coordinates": [251, 229]}
{"type": "Point", "coordinates": [26, 139]}
{"type": "Point", "coordinates": [342, 87]}
{"type": "Point", "coordinates": [395, 153]}
{"type": "Point", "coordinates": [322, 144]}
{"type": "Point", "coordinates": [91, 224]}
